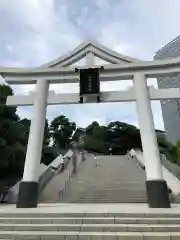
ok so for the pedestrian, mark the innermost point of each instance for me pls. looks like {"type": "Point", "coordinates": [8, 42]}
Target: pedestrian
{"type": "Point", "coordinates": [110, 151]}
{"type": "Point", "coordinates": [83, 156]}
{"type": "Point", "coordinates": [97, 162]}
{"type": "Point", "coordinates": [62, 164]}
{"type": "Point", "coordinates": [74, 161]}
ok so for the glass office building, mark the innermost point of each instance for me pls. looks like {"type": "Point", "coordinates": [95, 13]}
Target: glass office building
{"type": "Point", "coordinates": [170, 108]}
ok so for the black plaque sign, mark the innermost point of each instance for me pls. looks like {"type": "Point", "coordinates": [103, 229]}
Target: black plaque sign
{"type": "Point", "coordinates": [89, 81]}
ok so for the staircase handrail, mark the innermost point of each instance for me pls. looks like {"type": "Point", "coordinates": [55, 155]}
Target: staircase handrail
{"type": "Point", "coordinates": [173, 168]}
{"type": "Point", "coordinates": [71, 171]}
{"type": "Point", "coordinates": [45, 175]}
{"type": "Point", "coordinates": [172, 181]}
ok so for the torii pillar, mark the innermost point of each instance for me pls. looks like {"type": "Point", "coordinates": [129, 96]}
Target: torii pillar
{"type": "Point", "coordinates": [28, 190]}
{"type": "Point", "coordinates": [156, 186]}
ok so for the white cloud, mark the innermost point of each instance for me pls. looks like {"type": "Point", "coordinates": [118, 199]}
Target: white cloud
{"type": "Point", "coordinates": [25, 112]}
{"type": "Point", "coordinates": [43, 32]}
{"type": "Point", "coordinates": [36, 31]}
{"type": "Point", "coordinates": [87, 120]}
{"type": "Point", "coordinates": [9, 48]}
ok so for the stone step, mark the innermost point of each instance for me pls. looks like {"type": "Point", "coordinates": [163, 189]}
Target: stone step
{"type": "Point", "coordinates": [119, 190]}
{"type": "Point", "coordinates": [42, 235]}
{"type": "Point", "coordinates": [75, 214]}
{"type": "Point", "coordinates": [90, 220]}
{"type": "Point", "coordinates": [101, 200]}
{"type": "Point", "coordinates": [104, 189]}
{"type": "Point", "coordinates": [116, 180]}
{"type": "Point", "coordinates": [91, 227]}
{"type": "Point", "coordinates": [104, 194]}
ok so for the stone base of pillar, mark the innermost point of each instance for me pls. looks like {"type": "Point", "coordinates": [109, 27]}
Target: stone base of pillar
{"type": "Point", "coordinates": [28, 195]}
{"type": "Point", "coordinates": [157, 194]}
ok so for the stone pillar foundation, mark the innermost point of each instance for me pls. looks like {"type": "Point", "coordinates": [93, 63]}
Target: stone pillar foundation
{"type": "Point", "coordinates": [28, 195]}
{"type": "Point", "coordinates": [157, 194]}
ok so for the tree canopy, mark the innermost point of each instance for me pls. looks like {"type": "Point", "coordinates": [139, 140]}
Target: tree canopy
{"type": "Point", "coordinates": [14, 134]}
{"type": "Point", "coordinates": [12, 150]}
{"type": "Point", "coordinates": [61, 131]}
{"type": "Point", "coordinates": [118, 136]}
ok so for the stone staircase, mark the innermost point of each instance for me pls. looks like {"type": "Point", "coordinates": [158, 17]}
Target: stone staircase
{"type": "Point", "coordinates": [89, 226]}
{"type": "Point", "coordinates": [116, 180]}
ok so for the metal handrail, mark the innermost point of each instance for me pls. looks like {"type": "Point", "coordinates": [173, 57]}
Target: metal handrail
{"type": "Point", "coordinates": [173, 168]}
{"type": "Point", "coordinates": [70, 173]}
{"type": "Point", "coordinates": [63, 188]}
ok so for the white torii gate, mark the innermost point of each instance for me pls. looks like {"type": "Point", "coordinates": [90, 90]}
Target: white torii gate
{"type": "Point", "coordinates": [120, 68]}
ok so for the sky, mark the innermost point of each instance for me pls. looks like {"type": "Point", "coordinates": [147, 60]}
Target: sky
{"type": "Point", "coordinates": [34, 32]}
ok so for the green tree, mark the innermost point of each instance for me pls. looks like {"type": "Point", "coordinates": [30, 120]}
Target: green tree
{"type": "Point", "coordinates": [61, 129]}
{"type": "Point", "coordinates": [7, 112]}
{"type": "Point", "coordinates": [47, 134]}
{"type": "Point", "coordinates": [93, 144]}
{"type": "Point", "coordinates": [12, 152]}
{"type": "Point", "coordinates": [91, 128]}
{"type": "Point", "coordinates": [49, 154]}
{"type": "Point", "coordinates": [123, 137]}
{"type": "Point", "coordinates": [25, 127]}
{"type": "Point", "coordinates": [175, 151]}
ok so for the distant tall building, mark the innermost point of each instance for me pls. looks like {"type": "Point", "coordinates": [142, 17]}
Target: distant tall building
{"type": "Point", "coordinates": [170, 108]}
